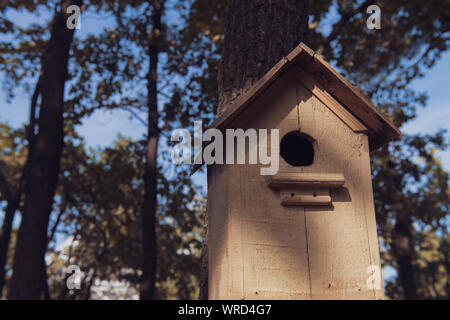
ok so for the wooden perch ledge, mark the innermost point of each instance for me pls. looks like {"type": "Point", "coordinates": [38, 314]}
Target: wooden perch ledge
{"type": "Point", "coordinates": [301, 180]}
{"type": "Point", "coordinates": [305, 189]}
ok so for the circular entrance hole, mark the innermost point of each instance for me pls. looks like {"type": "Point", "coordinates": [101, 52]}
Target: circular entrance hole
{"type": "Point", "coordinates": [296, 150]}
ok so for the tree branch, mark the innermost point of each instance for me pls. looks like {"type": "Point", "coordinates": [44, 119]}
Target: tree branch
{"type": "Point", "coordinates": [32, 125]}
{"type": "Point", "coordinates": [338, 26]}
{"type": "Point", "coordinates": [4, 185]}
{"type": "Point", "coordinates": [62, 209]}
{"type": "Point", "coordinates": [135, 115]}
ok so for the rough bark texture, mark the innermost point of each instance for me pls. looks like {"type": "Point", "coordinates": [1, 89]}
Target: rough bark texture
{"type": "Point", "coordinates": [258, 34]}
{"type": "Point", "coordinates": [404, 253]}
{"type": "Point", "coordinates": [149, 247]}
{"type": "Point", "coordinates": [26, 282]}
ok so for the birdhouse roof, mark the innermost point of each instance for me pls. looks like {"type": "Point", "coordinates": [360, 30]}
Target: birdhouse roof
{"type": "Point", "coordinates": [380, 129]}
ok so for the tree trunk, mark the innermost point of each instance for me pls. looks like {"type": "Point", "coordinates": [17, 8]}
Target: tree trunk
{"type": "Point", "coordinates": [404, 254]}
{"type": "Point", "coordinates": [14, 197]}
{"type": "Point", "coordinates": [258, 34]}
{"type": "Point", "coordinates": [87, 296]}
{"type": "Point", "coordinates": [203, 295]}
{"type": "Point", "coordinates": [40, 185]}
{"type": "Point", "coordinates": [45, 289]}
{"type": "Point", "coordinates": [447, 268]}
{"type": "Point", "coordinates": [5, 236]}
{"type": "Point", "coordinates": [149, 247]}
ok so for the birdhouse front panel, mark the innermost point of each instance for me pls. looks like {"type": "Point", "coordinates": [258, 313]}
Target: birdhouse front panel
{"type": "Point", "coordinates": [309, 231]}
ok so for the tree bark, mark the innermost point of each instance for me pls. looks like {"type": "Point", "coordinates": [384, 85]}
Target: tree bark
{"type": "Point", "coordinates": [149, 247]}
{"type": "Point", "coordinates": [258, 33]}
{"type": "Point", "coordinates": [40, 185]}
{"type": "Point", "coordinates": [5, 236]}
{"type": "Point", "coordinates": [404, 254]}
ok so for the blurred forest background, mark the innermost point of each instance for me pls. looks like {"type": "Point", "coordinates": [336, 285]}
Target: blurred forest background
{"type": "Point", "coordinates": [131, 220]}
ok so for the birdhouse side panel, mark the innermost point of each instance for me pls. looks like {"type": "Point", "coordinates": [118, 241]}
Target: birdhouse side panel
{"type": "Point", "coordinates": [219, 278]}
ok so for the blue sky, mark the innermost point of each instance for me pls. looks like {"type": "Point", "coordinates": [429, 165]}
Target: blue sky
{"type": "Point", "coordinates": [437, 112]}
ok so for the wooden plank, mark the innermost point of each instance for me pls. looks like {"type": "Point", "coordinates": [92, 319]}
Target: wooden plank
{"type": "Point", "coordinates": [369, 211]}
{"type": "Point", "coordinates": [219, 244]}
{"type": "Point", "coordinates": [274, 258]}
{"type": "Point", "coordinates": [312, 85]}
{"type": "Point", "coordinates": [302, 180]}
{"type": "Point", "coordinates": [306, 197]}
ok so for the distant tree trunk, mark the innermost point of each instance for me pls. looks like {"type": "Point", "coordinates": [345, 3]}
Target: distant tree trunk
{"type": "Point", "coordinates": [149, 247]}
{"type": "Point", "coordinates": [63, 294]}
{"type": "Point", "coordinates": [45, 288]}
{"type": "Point", "coordinates": [14, 197]}
{"type": "Point", "coordinates": [87, 296]}
{"type": "Point", "coordinates": [40, 185]}
{"type": "Point", "coordinates": [404, 254]}
{"type": "Point", "coordinates": [5, 236]}
{"type": "Point", "coordinates": [46, 291]}
{"type": "Point", "coordinates": [447, 268]}
{"type": "Point", "coordinates": [257, 35]}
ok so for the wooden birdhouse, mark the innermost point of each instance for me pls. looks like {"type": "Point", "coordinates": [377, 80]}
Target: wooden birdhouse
{"type": "Point", "coordinates": [309, 230]}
